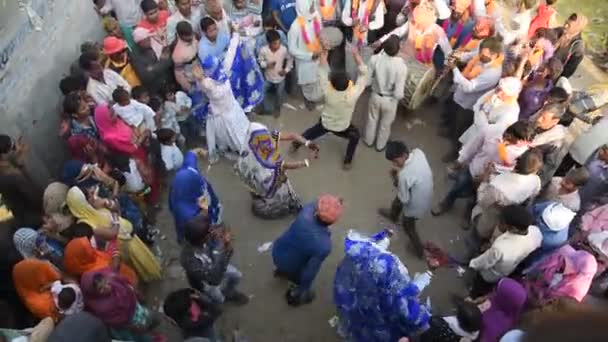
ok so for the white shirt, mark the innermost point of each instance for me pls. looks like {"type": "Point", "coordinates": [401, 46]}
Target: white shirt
{"type": "Point", "coordinates": [469, 91]}
{"type": "Point", "coordinates": [133, 180]}
{"type": "Point", "coordinates": [388, 75]}
{"type": "Point", "coordinates": [415, 185]}
{"type": "Point", "coordinates": [491, 113]}
{"type": "Point", "coordinates": [282, 61]}
{"type": "Point", "coordinates": [177, 17]}
{"type": "Point", "coordinates": [571, 201]}
{"type": "Point", "coordinates": [589, 141]}
{"type": "Point", "coordinates": [172, 156]}
{"type": "Point", "coordinates": [128, 12]}
{"type": "Point", "coordinates": [507, 251]}
{"type": "Point", "coordinates": [135, 114]}
{"type": "Point", "coordinates": [102, 92]}
{"type": "Point", "coordinates": [483, 149]}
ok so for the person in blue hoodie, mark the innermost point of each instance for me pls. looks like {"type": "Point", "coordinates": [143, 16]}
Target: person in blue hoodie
{"type": "Point", "coordinates": [553, 219]}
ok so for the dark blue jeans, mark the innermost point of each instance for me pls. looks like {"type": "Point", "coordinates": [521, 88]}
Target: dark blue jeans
{"type": "Point", "coordinates": [462, 187]}
{"type": "Point", "coordinates": [274, 94]}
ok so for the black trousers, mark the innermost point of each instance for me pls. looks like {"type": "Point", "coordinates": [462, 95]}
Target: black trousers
{"type": "Point", "coordinates": [409, 226]}
{"type": "Point", "coordinates": [456, 118]}
{"type": "Point", "coordinates": [350, 133]}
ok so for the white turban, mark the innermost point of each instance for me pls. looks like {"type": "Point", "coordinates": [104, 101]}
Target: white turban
{"type": "Point", "coordinates": [510, 86]}
{"type": "Point", "coordinates": [557, 217]}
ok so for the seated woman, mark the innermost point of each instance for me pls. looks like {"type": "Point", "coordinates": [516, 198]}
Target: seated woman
{"type": "Point", "coordinates": [81, 257]}
{"type": "Point", "coordinates": [564, 273]}
{"type": "Point", "coordinates": [57, 215]}
{"type": "Point", "coordinates": [190, 194]}
{"type": "Point", "coordinates": [114, 132]}
{"type": "Point", "coordinates": [33, 279]}
{"type": "Point", "coordinates": [111, 298]}
{"type": "Point", "coordinates": [109, 226]}
{"type": "Point", "coordinates": [263, 169]}
{"type": "Point", "coordinates": [368, 310]}
{"type": "Point", "coordinates": [34, 245]}
{"type": "Point", "coordinates": [502, 310]}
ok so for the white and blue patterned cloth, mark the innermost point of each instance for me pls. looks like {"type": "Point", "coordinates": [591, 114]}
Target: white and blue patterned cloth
{"type": "Point", "coordinates": [374, 294]}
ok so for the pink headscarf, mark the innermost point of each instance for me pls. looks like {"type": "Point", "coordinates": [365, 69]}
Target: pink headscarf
{"type": "Point", "coordinates": [115, 307]}
{"type": "Point", "coordinates": [579, 268]}
{"type": "Point", "coordinates": [114, 132]}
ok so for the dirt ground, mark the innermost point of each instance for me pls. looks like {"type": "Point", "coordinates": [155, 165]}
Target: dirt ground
{"type": "Point", "coordinates": [365, 188]}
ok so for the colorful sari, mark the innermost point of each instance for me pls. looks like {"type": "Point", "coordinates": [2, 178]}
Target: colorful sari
{"type": "Point", "coordinates": [188, 190]}
{"type": "Point", "coordinates": [260, 168]}
{"type": "Point", "coordinates": [80, 257]}
{"type": "Point", "coordinates": [114, 132]}
{"type": "Point", "coordinates": [374, 294]}
{"type": "Point", "coordinates": [29, 277]}
{"type": "Point", "coordinates": [132, 249]}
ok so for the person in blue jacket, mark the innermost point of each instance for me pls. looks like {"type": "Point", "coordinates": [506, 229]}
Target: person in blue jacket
{"type": "Point", "coordinates": [553, 219]}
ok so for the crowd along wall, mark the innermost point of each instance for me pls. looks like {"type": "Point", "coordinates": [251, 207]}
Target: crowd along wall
{"type": "Point", "coordinates": [39, 39]}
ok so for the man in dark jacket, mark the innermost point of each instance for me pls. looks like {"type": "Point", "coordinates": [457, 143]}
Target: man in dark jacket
{"type": "Point", "coordinates": [206, 260]}
{"type": "Point", "coordinates": [300, 251]}
{"type": "Point", "coordinates": [152, 64]}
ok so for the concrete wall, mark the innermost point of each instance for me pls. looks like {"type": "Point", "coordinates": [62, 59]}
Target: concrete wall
{"type": "Point", "coordinates": [31, 65]}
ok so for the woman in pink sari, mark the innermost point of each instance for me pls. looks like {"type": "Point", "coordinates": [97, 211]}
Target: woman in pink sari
{"type": "Point", "coordinates": [114, 132]}
{"type": "Point", "coordinates": [564, 273]}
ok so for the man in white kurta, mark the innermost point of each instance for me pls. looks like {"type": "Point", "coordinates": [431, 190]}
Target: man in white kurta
{"type": "Point", "coordinates": [389, 73]}
{"type": "Point", "coordinates": [306, 54]}
{"type": "Point", "coordinates": [495, 110]}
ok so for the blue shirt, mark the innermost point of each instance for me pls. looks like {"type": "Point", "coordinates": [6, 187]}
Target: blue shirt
{"type": "Point", "coordinates": [287, 10]}
{"type": "Point", "coordinates": [301, 250]}
{"type": "Point", "coordinates": [217, 48]}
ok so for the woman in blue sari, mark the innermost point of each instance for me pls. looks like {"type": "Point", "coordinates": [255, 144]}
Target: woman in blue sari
{"type": "Point", "coordinates": [239, 63]}
{"type": "Point", "coordinates": [374, 294]}
{"type": "Point", "coordinates": [191, 193]}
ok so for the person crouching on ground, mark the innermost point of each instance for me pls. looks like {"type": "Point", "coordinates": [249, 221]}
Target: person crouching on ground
{"type": "Point", "coordinates": [413, 177]}
{"type": "Point", "coordinates": [341, 96]}
{"type": "Point", "coordinates": [300, 251]}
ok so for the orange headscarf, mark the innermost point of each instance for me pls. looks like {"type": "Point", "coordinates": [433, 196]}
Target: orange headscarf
{"type": "Point", "coordinates": [80, 257]}
{"type": "Point", "coordinates": [29, 276]}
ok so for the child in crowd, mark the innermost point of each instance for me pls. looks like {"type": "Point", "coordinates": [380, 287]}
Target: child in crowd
{"type": "Point", "coordinates": [141, 94]}
{"type": "Point", "coordinates": [179, 105]}
{"type": "Point", "coordinates": [67, 298]}
{"type": "Point", "coordinates": [156, 104]}
{"type": "Point", "coordinates": [171, 154]}
{"type": "Point", "coordinates": [168, 117]}
{"type": "Point", "coordinates": [276, 62]}
{"type": "Point", "coordinates": [248, 24]}
{"type": "Point", "coordinates": [565, 190]}
{"type": "Point", "coordinates": [269, 25]}
{"type": "Point", "coordinates": [138, 176]}
{"type": "Point", "coordinates": [136, 114]}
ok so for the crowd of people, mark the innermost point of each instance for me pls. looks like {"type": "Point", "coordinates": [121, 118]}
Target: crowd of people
{"type": "Point", "coordinates": [169, 73]}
